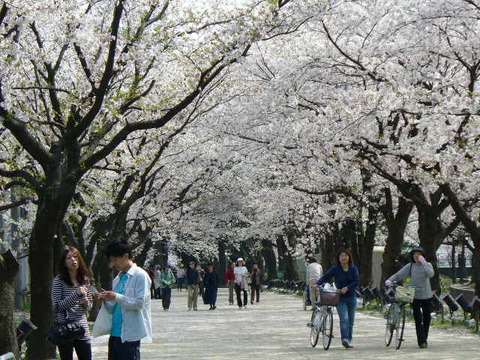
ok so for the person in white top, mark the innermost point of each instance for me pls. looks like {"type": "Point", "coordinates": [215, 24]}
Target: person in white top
{"type": "Point", "coordinates": [314, 272]}
{"type": "Point", "coordinates": [241, 275]}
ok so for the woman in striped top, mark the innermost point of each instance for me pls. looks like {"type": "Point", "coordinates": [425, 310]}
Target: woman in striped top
{"type": "Point", "coordinates": [71, 300]}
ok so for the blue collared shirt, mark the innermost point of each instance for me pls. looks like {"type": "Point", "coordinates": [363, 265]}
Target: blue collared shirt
{"type": "Point", "coordinates": [117, 318]}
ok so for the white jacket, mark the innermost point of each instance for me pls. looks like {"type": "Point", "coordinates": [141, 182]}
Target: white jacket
{"type": "Point", "coordinates": [135, 304]}
{"type": "Point", "coordinates": [314, 271]}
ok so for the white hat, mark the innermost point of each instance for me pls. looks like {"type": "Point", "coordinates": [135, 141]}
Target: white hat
{"type": "Point", "coordinates": [240, 259]}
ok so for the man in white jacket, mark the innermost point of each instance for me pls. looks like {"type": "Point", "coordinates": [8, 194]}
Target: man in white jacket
{"type": "Point", "coordinates": [314, 272]}
{"type": "Point", "coordinates": [129, 304]}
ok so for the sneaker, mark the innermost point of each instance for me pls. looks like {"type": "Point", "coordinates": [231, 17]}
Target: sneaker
{"type": "Point", "coordinates": [345, 343]}
{"type": "Point", "coordinates": [423, 345]}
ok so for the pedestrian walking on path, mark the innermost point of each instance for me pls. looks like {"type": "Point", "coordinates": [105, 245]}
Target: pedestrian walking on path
{"type": "Point", "coordinates": [314, 272]}
{"type": "Point", "coordinates": [181, 273]}
{"type": "Point", "coordinates": [71, 301]}
{"type": "Point", "coordinates": [420, 271]}
{"type": "Point", "coordinates": [128, 303]}
{"type": "Point", "coordinates": [166, 280]}
{"type": "Point", "coordinates": [241, 274]}
{"type": "Point", "coordinates": [210, 281]}
{"type": "Point", "coordinates": [230, 282]}
{"type": "Point", "coordinates": [192, 286]}
{"type": "Point", "coordinates": [347, 279]}
{"type": "Point", "coordinates": [256, 280]}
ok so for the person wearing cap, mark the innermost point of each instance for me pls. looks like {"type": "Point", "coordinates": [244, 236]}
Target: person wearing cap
{"type": "Point", "coordinates": [192, 286]}
{"type": "Point", "coordinates": [314, 272]}
{"type": "Point", "coordinates": [420, 271]}
{"type": "Point", "coordinates": [166, 279]}
{"type": "Point", "coordinates": [241, 274]}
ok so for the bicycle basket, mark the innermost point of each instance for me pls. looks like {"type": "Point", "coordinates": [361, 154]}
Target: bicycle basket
{"type": "Point", "coordinates": [329, 298]}
{"type": "Point", "coordinates": [404, 294]}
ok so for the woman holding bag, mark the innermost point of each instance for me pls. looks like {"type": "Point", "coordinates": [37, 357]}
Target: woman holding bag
{"type": "Point", "coordinates": [71, 301]}
{"type": "Point", "coordinates": [347, 279]}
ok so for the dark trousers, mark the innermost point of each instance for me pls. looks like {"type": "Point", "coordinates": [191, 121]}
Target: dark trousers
{"type": "Point", "coordinates": [255, 291]}
{"type": "Point", "coordinates": [421, 314]}
{"type": "Point", "coordinates": [129, 350]}
{"type": "Point", "coordinates": [83, 349]}
{"type": "Point", "coordinates": [166, 296]}
{"type": "Point", "coordinates": [238, 290]}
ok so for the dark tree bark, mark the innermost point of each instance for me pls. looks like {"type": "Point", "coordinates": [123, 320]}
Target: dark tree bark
{"type": "Point", "coordinates": [270, 259]}
{"type": "Point", "coordinates": [472, 228]}
{"type": "Point", "coordinates": [291, 268]}
{"type": "Point", "coordinates": [396, 225]}
{"type": "Point", "coordinates": [8, 336]}
{"type": "Point", "coordinates": [366, 246]}
{"type": "Point", "coordinates": [222, 260]}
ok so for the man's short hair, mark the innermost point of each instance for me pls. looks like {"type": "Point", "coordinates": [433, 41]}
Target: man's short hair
{"type": "Point", "coordinates": [118, 248]}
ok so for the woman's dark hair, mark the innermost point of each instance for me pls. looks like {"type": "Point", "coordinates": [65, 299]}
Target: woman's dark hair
{"type": "Point", "coordinates": [117, 249]}
{"type": "Point", "coordinates": [350, 260]}
{"type": "Point", "coordinates": [83, 275]}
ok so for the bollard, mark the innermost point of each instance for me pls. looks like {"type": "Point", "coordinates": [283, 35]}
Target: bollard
{"type": "Point", "coordinates": [452, 305]}
{"type": "Point", "coordinates": [475, 306]}
{"type": "Point", "coordinates": [464, 304]}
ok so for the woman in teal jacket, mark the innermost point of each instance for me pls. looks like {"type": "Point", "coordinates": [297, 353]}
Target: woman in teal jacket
{"type": "Point", "coordinates": [166, 280]}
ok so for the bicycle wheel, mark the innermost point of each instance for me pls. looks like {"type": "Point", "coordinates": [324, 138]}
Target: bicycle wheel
{"type": "Point", "coordinates": [390, 324]}
{"type": "Point", "coordinates": [400, 327]}
{"type": "Point", "coordinates": [327, 329]}
{"type": "Point", "coordinates": [315, 327]}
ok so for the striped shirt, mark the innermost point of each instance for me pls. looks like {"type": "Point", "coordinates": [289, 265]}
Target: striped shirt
{"type": "Point", "coordinates": [65, 300]}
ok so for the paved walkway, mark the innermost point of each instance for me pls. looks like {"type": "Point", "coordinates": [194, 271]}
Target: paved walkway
{"type": "Point", "coordinates": [276, 329]}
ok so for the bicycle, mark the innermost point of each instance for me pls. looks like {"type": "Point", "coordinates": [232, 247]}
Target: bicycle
{"type": "Point", "coordinates": [322, 320]}
{"type": "Point", "coordinates": [395, 316]}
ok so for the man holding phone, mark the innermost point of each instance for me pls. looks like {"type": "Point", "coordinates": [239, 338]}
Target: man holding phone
{"type": "Point", "coordinates": [129, 304]}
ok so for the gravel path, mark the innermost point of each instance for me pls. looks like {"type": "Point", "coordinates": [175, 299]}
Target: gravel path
{"type": "Point", "coordinates": [276, 329]}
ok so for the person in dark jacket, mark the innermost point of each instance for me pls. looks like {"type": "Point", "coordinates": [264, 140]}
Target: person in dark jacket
{"type": "Point", "coordinates": [192, 286]}
{"type": "Point", "coordinates": [256, 280]}
{"type": "Point", "coordinates": [347, 279]}
{"type": "Point", "coordinates": [210, 282]}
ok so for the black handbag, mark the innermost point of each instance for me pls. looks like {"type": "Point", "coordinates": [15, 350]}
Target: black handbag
{"type": "Point", "coordinates": [64, 333]}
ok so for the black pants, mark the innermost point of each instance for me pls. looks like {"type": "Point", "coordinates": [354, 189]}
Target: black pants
{"type": "Point", "coordinates": [83, 349]}
{"type": "Point", "coordinates": [255, 291]}
{"type": "Point", "coordinates": [129, 350]}
{"type": "Point", "coordinates": [238, 290]}
{"type": "Point", "coordinates": [421, 314]}
{"type": "Point", "coordinates": [166, 296]}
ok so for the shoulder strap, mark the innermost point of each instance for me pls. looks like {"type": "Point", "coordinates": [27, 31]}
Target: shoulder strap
{"type": "Point", "coordinates": [411, 264]}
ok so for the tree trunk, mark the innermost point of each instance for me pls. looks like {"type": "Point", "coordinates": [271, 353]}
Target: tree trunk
{"type": "Point", "coordinates": [329, 245]}
{"type": "Point", "coordinates": [48, 219]}
{"type": "Point", "coordinates": [430, 233]}
{"type": "Point", "coordinates": [8, 336]}
{"type": "Point", "coordinates": [396, 226]}
{"type": "Point", "coordinates": [222, 261]}
{"type": "Point", "coordinates": [270, 259]}
{"type": "Point", "coordinates": [366, 247]}
{"type": "Point", "coordinates": [291, 271]}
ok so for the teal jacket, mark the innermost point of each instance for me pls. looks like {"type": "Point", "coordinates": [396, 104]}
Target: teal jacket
{"type": "Point", "coordinates": [166, 279]}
